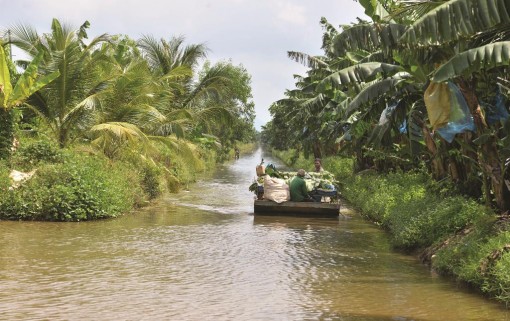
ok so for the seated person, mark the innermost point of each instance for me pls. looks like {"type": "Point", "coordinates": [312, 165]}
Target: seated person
{"type": "Point", "coordinates": [318, 166]}
{"type": "Point", "coordinates": [298, 190]}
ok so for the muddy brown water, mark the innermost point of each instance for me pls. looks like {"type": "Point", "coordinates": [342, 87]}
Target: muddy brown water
{"type": "Point", "coordinates": [203, 255]}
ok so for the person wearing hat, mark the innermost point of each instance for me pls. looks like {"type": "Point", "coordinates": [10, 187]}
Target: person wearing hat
{"type": "Point", "coordinates": [297, 187]}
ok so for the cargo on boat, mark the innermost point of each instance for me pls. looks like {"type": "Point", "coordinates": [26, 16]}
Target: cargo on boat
{"type": "Point", "coordinates": [273, 196]}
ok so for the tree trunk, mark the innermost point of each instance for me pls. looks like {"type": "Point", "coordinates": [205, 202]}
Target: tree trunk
{"type": "Point", "coordinates": [488, 159]}
{"type": "Point", "coordinates": [438, 169]}
{"type": "Point", "coordinates": [62, 138]}
{"type": "Point", "coordinates": [317, 153]}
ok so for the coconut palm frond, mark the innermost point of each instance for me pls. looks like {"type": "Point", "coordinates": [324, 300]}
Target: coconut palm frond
{"type": "Point", "coordinates": [412, 10]}
{"type": "Point", "coordinates": [214, 114]}
{"type": "Point", "coordinates": [181, 147]}
{"type": "Point", "coordinates": [210, 86]}
{"type": "Point", "coordinates": [178, 73]}
{"type": "Point", "coordinates": [155, 54]}
{"type": "Point", "coordinates": [112, 137]}
{"type": "Point", "coordinates": [25, 37]}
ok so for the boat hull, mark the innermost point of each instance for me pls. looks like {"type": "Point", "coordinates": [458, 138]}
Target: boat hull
{"type": "Point", "coordinates": [309, 209]}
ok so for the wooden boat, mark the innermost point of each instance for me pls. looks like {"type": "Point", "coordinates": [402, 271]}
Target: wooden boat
{"type": "Point", "coordinates": [310, 209]}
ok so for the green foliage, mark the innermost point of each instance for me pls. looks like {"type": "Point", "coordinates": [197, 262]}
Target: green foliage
{"type": "Point", "coordinates": [70, 89]}
{"type": "Point", "coordinates": [293, 158]}
{"type": "Point", "coordinates": [481, 257]}
{"type": "Point", "coordinates": [363, 72]}
{"type": "Point", "coordinates": [80, 188]}
{"type": "Point", "coordinates": [421, 220]}
{"type": "Point", "coordinates": [10, 97]}
{"type": "Point", "coordinates": [27, 84]}
{"type": "Point", "coordinates": [32, 153]}
{"type": "Point", "coordinates": [7, 126]}
{"type": "Point", "coordinates": [415, 216]}
{"type": "Point", "coordinates": [461, 257]}
{"type": "Point", "coordinates": [150, 96]}
{"type": "Point", "coordinates": [172, 182]}
{"type": "Point", "coordinates": [4, 177]}
{"type": "Point", "coordinates": [150, 179]}
{"type": "Point", "coordinates": [367, 66]}
{"type": "Point", "coordinates": [495, 264]}
{"type": "Point", "coordinates": [443, 24]}
{"type": "Point", "coordinates": [474, 60]}
{"type": "Point", "coordinates": [341, 167]}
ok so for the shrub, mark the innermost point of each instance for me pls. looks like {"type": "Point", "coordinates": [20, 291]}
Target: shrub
{"type": "Point", "coordinates": [7, 128]}
{"type": "Point", "coordinates": [4, 176]}
{"type": "Point", "coordinates": [341, 167]}
{"type": "Point", "coordinates": [80, 188]}
{"type": "Point", "coordinates": [150, 179]}
{"type": "Point", "coordinates": [31, 153]}
{"type": "Point", "coordinates": [172, 182]}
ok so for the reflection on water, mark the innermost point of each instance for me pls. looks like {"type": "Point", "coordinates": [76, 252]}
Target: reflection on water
{"type": "Point", "coordinates": [202, 255]}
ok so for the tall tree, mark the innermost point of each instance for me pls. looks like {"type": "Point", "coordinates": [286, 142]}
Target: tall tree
{"type": "Point", "coordinates": [66, 104]}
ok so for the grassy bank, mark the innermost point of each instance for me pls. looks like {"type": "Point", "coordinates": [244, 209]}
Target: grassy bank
{"type": "Point", "coordinates": [457, 236]}
{"type": "Point", "coordinates": [79, 183]}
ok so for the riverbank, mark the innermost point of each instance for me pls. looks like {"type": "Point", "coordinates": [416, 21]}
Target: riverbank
{"type": "Point", "coordinates": [455, 235]}
{"type": "Point", "coordinates": [79, 183]}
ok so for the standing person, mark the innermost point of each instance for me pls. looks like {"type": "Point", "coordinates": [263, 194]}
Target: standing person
{"type": "Point", "coordinates": [236, 151]}
{"type": "Point", "coordinates": [318, 166]}
{"type": "Point", "coordinates": [298, 190]}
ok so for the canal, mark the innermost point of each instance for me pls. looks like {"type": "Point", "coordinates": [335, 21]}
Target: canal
{"type": "Point", "coordinates": [202, 255]}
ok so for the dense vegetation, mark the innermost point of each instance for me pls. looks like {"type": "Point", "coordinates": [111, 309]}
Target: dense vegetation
{"type": "Point", "coordinates": [410, 111]}
{"type": "Point", "coordinates": [109, 123]}
{"type": "Point", "coordinates": [423, 85]}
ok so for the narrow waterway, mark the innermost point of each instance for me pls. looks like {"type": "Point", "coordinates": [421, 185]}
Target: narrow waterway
{"type": "Point", "coordinates": [202, 255]}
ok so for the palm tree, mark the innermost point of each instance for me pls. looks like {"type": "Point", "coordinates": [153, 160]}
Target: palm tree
{"type": "Point", "coordinates": [187, 102]}
{"type": "Point", "coordinates": [67, 104]}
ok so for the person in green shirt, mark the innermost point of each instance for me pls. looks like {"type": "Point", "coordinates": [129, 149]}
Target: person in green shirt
{"type": "Point", "coordinates": [298, 190]}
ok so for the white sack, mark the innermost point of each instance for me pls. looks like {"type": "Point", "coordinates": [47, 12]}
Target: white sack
{"type": "Point", "coordinates": [275, 189]}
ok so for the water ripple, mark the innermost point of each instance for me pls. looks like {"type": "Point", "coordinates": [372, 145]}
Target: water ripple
{"type": "Point", "coordinates": [199, 255]}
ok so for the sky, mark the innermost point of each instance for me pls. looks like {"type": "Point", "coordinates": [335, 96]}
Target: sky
{"type": "Point", "coordinates": [254, 33]}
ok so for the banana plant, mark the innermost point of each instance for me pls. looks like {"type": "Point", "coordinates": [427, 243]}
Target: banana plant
{"type": "Point", "coordinates": [14, 96]}
{"type": "Point", "coordinates": [479, 30]}
{"type": "Point", "coordinates": [29, 82]}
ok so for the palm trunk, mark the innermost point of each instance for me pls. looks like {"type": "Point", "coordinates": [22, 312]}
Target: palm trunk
{"type": "Point", "coordinates": [62, 137]}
